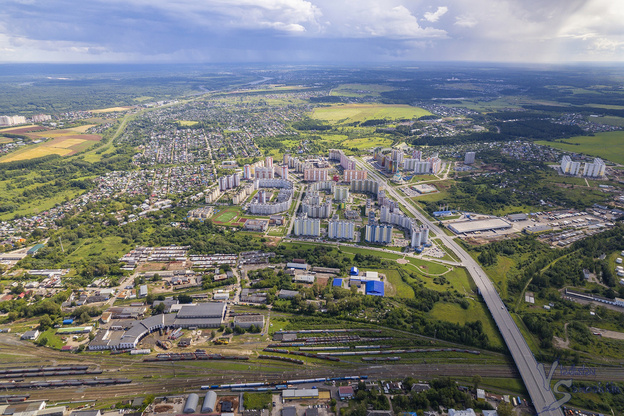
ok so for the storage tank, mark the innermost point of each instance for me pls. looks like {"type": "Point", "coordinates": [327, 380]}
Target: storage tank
{"type": "Point", "coordinates": [210, 400]}
{"type": "Point", "coordinates": [191, 403]}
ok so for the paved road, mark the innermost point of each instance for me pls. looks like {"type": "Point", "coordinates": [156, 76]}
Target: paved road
{"type": "Point", "coordinates": [534, 378]}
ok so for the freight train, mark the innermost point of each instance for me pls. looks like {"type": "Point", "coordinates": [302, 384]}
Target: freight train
{"type": "Point", "coordinates": [14, 398]}
{"type": "Point", "coordinates": [50, 373]}
{"type": "Point", "coordinates": [279, 386]}
{"type": "Point", "coordinates": [39, 369]}
{"type": "Point", "coordinates": [303, 354]}
{"type": "Point", "coordinates": [64, 383]}
{"type": "Point", "coordinates": [191, 356]}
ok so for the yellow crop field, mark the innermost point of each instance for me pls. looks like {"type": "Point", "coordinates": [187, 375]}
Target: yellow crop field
{"type": "Point", "coordinates": [67, 143]}
{"type": "Point", "coordinates": [111, 110]}
{"type": "Point", "coordinates": [36, 152]}
{"type": "Point", "coordinates": [351, 113]}
{"type": "Point", "coordinates": [82, 129]}
{"type": "Point", "coordinates": [9, 129]}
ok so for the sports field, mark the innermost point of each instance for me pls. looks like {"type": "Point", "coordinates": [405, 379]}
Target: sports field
{"type": "Point", "coordinates": [351, 113]}
{"type": "Point", "coordinates": [608, 145]}
{"type": "Point", "coordinates": [226, 215]}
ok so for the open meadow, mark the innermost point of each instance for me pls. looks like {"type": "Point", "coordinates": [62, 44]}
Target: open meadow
{"type": "Point", "coordinates": [607, 145]}
{"type": "Point", "coordinates": [352, 113]}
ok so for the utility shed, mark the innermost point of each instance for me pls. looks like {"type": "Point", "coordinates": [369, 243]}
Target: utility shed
{"type": "Point", "coordinates": [337, 282]}
{"type": "Point", "coordinates": [191, 403]}
{"type": "Point", "coordinates": [210, 400]}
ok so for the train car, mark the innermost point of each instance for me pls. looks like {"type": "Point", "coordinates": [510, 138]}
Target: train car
{"type": "Point", "coordinates": [519, 401]}
{"type": "Point", "coordinates": [514, 402]}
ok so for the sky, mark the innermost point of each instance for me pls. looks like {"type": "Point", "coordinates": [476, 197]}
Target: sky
{"type": "Point", "coordinates": [309, 31]}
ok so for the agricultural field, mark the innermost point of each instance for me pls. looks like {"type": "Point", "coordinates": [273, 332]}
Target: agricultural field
{"type": "Point", "coordinates": [607, 145]}
{"type": "Point", "coordinates": [352, 113]}
{"type": "Point", "coordinates": [111, 110]}
{"type": "Point", "coordinates": [64, 142]}
{"type": "Point", "coordinates": [360, 90]}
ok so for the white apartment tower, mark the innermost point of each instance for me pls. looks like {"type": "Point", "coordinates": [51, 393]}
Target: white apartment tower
{"type": "Point", "coordinates": [341, 229]}
{"type": "Point", "coordinates": [569, 167]}
{"type": "Point", "coordinates": [469, 159]}
{"type": "Point", "coordinates": [307, 226]}
{"type": "Point", "coordinates": [594, 170]}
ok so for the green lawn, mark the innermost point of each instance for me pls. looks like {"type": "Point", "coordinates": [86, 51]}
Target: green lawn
{"type": "Point", "coordinates": [607, 145]}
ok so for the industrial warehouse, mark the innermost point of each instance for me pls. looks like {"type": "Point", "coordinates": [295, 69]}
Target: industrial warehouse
{"type": "Point", "coordinates": [203, 315]}
{"type": "Point", "coordinates": [488, 224]}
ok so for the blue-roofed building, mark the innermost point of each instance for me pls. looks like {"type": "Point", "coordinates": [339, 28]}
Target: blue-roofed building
{"type": "Point", "coordinates": [354, 271]}
{"type": "Point", "coordinates": [68, 321]}
{"type": "Point", "coordinates": [337, 282]}
{"type": "Point", "coordinates": [375, 288]}
{"type": "Point", "coordinates": [298, 266]}
{"type": "Point", "coordinates": [442, 213]}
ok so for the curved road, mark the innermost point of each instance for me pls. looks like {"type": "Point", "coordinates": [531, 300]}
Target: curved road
{"type": "Point", "coordinates": [532, 373]}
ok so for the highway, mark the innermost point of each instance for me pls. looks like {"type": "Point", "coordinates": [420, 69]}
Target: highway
{"type": "Point", "coordinates": [535, 380]}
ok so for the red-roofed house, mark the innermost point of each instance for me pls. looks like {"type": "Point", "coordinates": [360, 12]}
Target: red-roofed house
{"type": "Point", "coordinates": [345, 392]}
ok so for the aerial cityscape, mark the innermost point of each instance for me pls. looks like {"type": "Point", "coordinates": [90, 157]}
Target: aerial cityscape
{"type": "Point", "coordinates": [319, 209]}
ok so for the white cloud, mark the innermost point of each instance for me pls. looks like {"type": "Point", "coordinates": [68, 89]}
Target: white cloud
{"type": "Point", "coordinates": [466, 21]}
{"type": "Point", "coordinates": [374, 19]}
{"type": "Point", "coordinates": [435, 16]}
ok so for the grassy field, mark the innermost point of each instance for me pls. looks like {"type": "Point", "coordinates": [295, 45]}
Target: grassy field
{"type": "Point", "coordinates": [360, 90]}
{"type": "Point", "coordinates": [187, 123]}
{"type": "Point", "coordinates": [97, 247]}
{"type": "Point", "coordinates": [367, 142]}
{"type": "Point", "coordinates": [608, 145]}
{"type": "Point", "coordinates": [452, 312]}
{"type": "Point", "coordinates": [351, 113]}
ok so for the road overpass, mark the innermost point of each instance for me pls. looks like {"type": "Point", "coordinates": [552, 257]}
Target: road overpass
{"type": "Point", "coordinates": [532, 373]}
